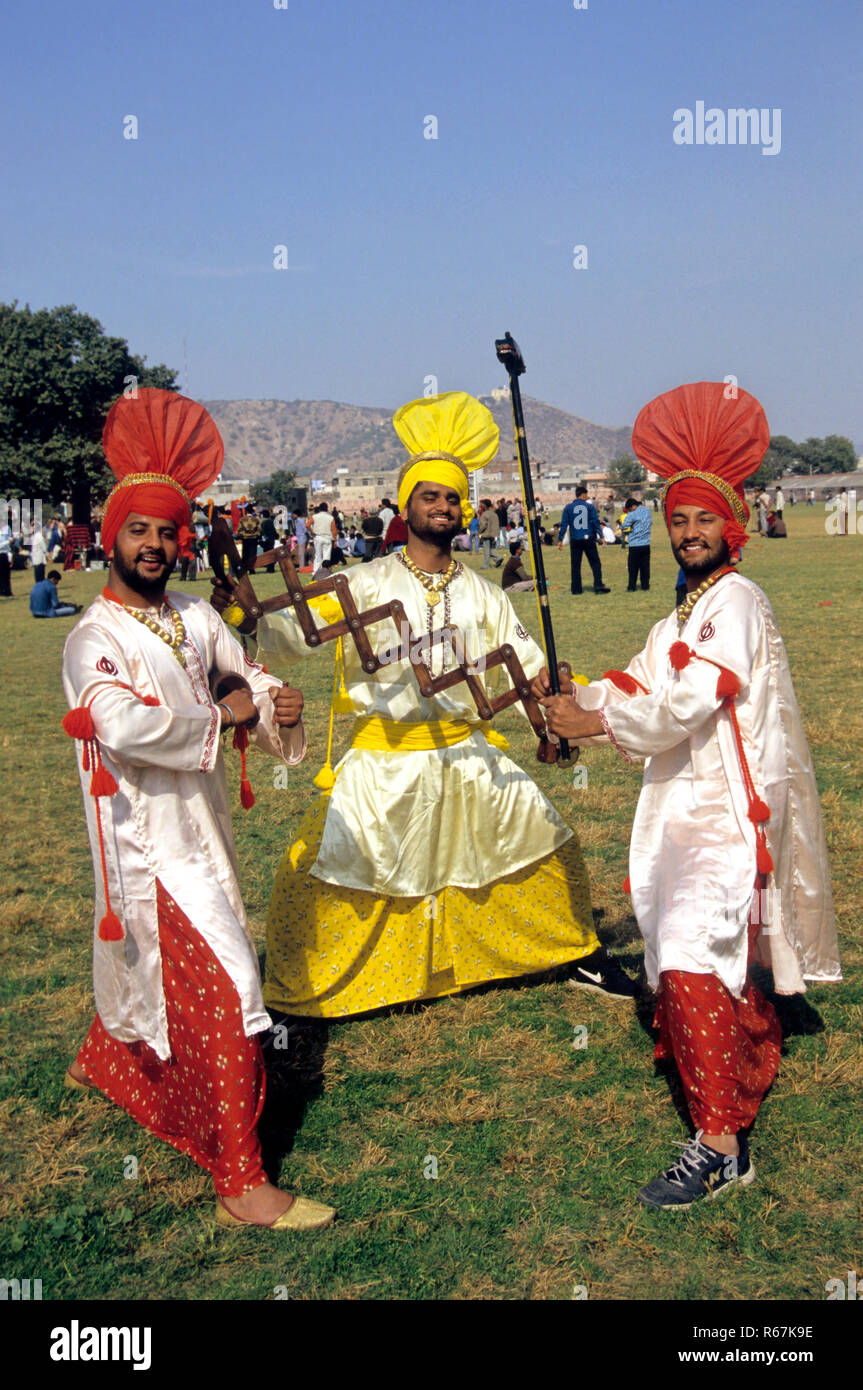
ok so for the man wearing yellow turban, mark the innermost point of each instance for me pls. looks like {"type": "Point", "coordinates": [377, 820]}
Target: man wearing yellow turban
{"type": "Point", "coordinates": [435, 863]}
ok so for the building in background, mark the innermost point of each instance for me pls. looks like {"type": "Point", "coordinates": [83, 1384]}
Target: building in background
{"type": "Point", "coordinates": [224, 491]}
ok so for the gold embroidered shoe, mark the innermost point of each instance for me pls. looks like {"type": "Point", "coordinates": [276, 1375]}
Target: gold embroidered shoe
{"type": "Point", "coordinates": [302, 1215]}
{"type": "Point", "coordinates": [75, 1085]}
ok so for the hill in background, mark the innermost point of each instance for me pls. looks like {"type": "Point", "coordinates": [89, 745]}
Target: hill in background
{"type": "Point", "coordinates": [317, 437]}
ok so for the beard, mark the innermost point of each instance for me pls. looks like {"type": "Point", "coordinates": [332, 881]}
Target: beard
{"type": "Point", "coordinates": [703, 561]}
{"type": "Point", "coordinates": [438, 533]}
{"type": "Point", "coordinates": [151, 588]}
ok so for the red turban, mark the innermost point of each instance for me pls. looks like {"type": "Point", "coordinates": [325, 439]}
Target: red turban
{"type": "Point", "coordinates": [165, 450]}
{"type": "Point", "coordinates": [705, 439]}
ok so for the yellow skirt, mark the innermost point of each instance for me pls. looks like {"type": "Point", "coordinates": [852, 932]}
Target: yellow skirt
{"type": "Point", "coordinates": [333, 952]}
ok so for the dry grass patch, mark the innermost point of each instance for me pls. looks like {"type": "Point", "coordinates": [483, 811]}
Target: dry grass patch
{"type": "Point", "coordinates": [523, 1053]}
{"type": "Point", "coordinates": [372, 1156]}
{"type": "Point", "coordinates": [453, 1105]}
{"type": "Point", "coordinates": [408, 1043]}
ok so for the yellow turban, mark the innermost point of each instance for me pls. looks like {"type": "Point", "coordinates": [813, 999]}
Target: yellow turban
{"type": "Point", "coordinates": [447, 437]}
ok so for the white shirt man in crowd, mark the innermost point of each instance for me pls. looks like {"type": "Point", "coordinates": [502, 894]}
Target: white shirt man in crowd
{"type": "Point", "coordinates": [325, 534]}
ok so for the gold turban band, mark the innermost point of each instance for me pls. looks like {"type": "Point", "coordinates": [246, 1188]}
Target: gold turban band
{"type": "Point", "coordinates": [739, 509]}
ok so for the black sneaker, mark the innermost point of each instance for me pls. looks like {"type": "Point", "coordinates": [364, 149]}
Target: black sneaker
{"type": "Point", "coordinates": [699, 1172]}
{"type": "Point", "coordinates": [601, 589]}
{"type": "Point", "coordinates": [600, 974]}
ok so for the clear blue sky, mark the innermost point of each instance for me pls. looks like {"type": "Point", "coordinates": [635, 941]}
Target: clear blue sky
{"type": "Point", "coordinates": [408, 256]}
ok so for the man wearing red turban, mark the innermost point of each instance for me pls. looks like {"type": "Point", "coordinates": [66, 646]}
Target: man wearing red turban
{"type": "Point", "coordinates": [728, 861]}
{"type": "Point", "coordinates": [152, 679]}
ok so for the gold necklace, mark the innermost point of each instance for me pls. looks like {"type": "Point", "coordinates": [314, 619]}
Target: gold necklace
{"type": "Point", "coordinates": [685, 608]}
{"type": "Point", "coordinates": [174, 639]}
{"type": "Point", "coordinates": [433, 591]}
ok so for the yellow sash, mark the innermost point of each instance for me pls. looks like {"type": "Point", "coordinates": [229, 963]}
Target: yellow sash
{"type": "Point", "coordinates": [395, 736]}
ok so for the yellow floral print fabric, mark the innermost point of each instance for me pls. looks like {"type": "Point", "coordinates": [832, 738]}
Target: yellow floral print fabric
{"type": "Point", "coordinates": [333, 952]}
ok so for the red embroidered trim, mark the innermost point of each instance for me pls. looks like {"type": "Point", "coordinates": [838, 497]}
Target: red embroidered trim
{"type": "Point", "coordinates": [607, 727]}
{"type": "Point", "coordinates": [212, 735]}
{"type": "Point", "coordinates": [201, 691]}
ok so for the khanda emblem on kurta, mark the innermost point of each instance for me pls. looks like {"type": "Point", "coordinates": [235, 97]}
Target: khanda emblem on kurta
{"type": "Point", "coordinates": [447, 437]}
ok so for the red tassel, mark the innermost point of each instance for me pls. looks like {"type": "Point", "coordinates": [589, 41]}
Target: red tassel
{"type": "Point", "coordinates": [679, 655]}
{"type": "Point", "coordinates": [102, 783]}
{"type": "Point", "coordinates": [759, 811]}
{"type": "Point", "coordinates": [110, 927]}
{"type": "Point", "coordinates": [78, 723]}
{"type": "Point", "coordinates": [624, 682]}
{"type": "Point", "coordinates": [727, 685]}
{"type": "Point", "coordinates": [763, 858]}
{"type": "Point", "coordinates": [148, 700]}
{"type": "Point", "coordinates": [85, 756]}
{"type": "Point", "coordinates": [626, 885]}
{"type": "Point", "coordinates": [241, 742]}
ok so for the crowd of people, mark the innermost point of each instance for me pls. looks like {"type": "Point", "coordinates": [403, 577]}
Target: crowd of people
{"type": "Point", "coordinates": [327, 538]}
{"type": "Point", "coordinates": [431, 862]}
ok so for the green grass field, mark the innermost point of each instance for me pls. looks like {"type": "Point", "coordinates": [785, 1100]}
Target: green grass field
{"type": "Point", "coordinates": [540, 1146]}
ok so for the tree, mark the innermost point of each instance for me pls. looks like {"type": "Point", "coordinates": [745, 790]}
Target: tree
{"type": "Point", "coordinates": [273, 491]}
{"type": "Point", "coordinates": [777, 460]}
{"type": "Point", "coordinates": [625, 473]}
{"type": "Point", "coordinates": [59, 375]}
{"type": "Point", "coordinates": [785, 453]}
{"type": "Point", "coordinates": [835, 454]}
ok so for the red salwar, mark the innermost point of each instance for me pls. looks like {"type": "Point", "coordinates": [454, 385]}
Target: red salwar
{"type": "Point", "coordinates": [726, 1049]}
{"type": "Point", "coordinates": [207, 1099]}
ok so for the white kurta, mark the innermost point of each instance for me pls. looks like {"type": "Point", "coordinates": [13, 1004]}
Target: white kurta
{"type": "Point", "coordinates": [406, 824]}
{"type": "Point", "coordinates": [692, 855]}
{"type": "Point", "coordinates": [170, 818]}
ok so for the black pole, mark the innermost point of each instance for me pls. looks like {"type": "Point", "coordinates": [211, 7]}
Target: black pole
{"type": "Point", "coordinates": [508, 353]}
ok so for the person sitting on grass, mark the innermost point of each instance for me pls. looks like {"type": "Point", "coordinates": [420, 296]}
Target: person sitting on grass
{"type": "Point", "coordinates": [44, 602]}
{"type": "Point", "coordinates": [514, 574]}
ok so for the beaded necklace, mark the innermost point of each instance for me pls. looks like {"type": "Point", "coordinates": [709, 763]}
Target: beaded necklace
{"type": "Point", "coordinates": [433, 591]}
{"type": "Point", "coordinates": [433, 598]}
{"type": "Point", "coordinates": [174, 639]}
{"type": "Point", "coordinates": [685, 608]}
